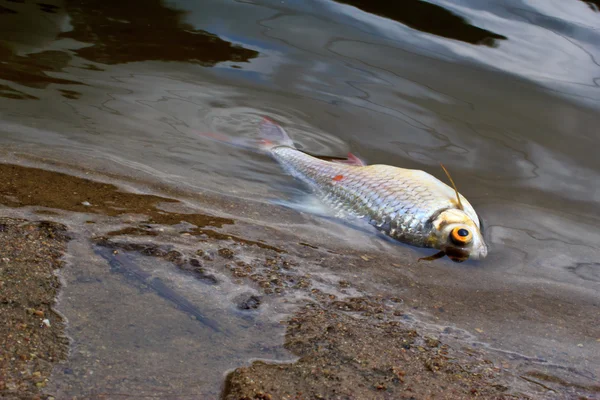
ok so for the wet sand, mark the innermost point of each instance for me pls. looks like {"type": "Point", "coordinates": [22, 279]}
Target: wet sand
{"type": "Point", "coordinates": [341, 356]}
{"type": "Point", "coordinates": [352, 341]}
{"type": "Point", "coordinates": [349, 357]}
{"type": "Point", "coordinates": [32, 337]}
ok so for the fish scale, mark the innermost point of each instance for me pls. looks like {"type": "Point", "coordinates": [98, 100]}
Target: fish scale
{"type": "Point", "coordinates": [400, 202]}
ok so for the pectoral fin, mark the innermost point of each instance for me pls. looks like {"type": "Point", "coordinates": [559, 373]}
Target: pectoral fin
{"type": "Point", "coordinates": [434, 257]}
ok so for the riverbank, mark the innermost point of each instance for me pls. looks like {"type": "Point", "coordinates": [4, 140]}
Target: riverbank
{"type": "Point", "coordinates": [351, 338]}
{"type": "Point", "coordinates": [32, 334]}
{"type": "Point", "coordinates": [342, 355]}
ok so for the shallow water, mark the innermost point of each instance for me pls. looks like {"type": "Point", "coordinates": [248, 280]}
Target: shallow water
{"type": "Point", "coordinates": [505, 94]}
{"type": "Point", "coordinates": [134, 332]}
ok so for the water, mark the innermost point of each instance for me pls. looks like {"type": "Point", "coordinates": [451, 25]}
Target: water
{"type": "Point", "coordinates": [505, 94]}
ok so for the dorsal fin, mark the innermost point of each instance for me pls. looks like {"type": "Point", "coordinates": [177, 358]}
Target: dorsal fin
{"type": "Point", "coordinates": [355, 160]}
{"type": "Point", "coordinates": [351, 160]}
{"type": "Point", "coordinates": [460, 206]}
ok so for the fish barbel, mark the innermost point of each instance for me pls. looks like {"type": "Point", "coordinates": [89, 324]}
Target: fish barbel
{"type": "Point", "coordinates": [408, 205]}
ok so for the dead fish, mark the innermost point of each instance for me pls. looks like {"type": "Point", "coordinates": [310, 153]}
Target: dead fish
{"type": "Point", "coordinates": [408, 205]}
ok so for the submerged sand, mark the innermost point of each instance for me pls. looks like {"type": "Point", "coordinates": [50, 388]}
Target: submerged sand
{"type": "Point", "coordinates": [350, 342]}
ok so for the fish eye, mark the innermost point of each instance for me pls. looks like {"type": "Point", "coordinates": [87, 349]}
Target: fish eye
{"type": "Point", "coordinates": [461, 236]}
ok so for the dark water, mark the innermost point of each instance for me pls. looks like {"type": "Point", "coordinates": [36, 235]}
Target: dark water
{"type": "Point", "coordinates": [505, 93]}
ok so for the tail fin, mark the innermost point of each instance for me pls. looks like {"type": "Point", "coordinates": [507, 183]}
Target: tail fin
{"type": "Point", "coordinates": [270, 135]}
{"type": "Point", "coordinates": [273, 135]}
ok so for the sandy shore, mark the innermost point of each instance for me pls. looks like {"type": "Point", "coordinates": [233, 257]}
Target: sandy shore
{"type": "Point", "coordinates": [351, 347]}
{"type": "Point", "coordinates": [342, 356]}
{"type": "Point", "coordinates": [31, 333]}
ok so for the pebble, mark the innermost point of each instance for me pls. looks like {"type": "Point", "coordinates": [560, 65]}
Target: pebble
{"type": "Point", "coordinates": [250, 303]}
{"type": "Point", "coordinates": [225, 253]}
{"type": "Point", "coordinates": [86, 203]}
{"type": "Point", "coordinates": [46, 322]}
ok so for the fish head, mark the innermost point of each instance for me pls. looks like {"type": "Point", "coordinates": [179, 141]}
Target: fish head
{"type": "Point", "coordinates": [456, 234]}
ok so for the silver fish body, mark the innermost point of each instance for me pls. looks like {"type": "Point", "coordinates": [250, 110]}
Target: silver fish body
{"type": "Point", "coordinates": [411, 206]}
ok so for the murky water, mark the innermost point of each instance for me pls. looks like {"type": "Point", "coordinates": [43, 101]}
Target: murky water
{"type": "Point", "coordinates": [505, 94]}
{"type": "Point", "coordinates": [167, 333]}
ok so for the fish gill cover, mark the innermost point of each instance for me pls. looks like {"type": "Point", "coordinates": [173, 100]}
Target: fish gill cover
{"type": "Point", "coordinates": [429, 18]}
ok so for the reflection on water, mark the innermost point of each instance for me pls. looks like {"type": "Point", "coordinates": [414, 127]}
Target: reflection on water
{"type": "Point", "coordinates": [594, 4]}
{"type": "Point", "coordinates": [4, 10]}
{"type": "Point", "coordinates": [26, 56]}
{"type": "Point", "coordinates": [33, 71]}
{"type": "Point", "coordinates": [10, 93]}
{"type": "Point", "coordinates": [109, 33]}
{"type": "Point", "coordinates": [516, 123]}
{"type": "Point", "coordinates": [430, 18]}
{"type": "Point", "coordinates": [147, 31]}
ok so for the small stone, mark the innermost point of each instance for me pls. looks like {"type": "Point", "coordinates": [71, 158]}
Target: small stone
{"type": "Point", "coordinates": [225, 253]}
{"type": "Point", "coordinates": [194, 262]}
{"type": "Point", "coordinates": [249, 303]}
{"type": "Point", "coordinates": [479, 330]}
{"type": "Point", "coordinates": [579, 344]}
{"type": "Point", "coordinates": [85, 203]}
{"type": "Point", "coordinates": [39, 313]}
{"type": "Point", "coordinates": [46, 322]}
{"type": "Point", "coordinates": [175, 257]}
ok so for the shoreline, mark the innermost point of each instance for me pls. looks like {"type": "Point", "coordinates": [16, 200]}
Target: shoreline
{"type": "Point", "coordinates": [351, 341]}
{"type": "Point", "coordinates": [385, 357]}
{"type": "Point", "coordinates": [32, 333]}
